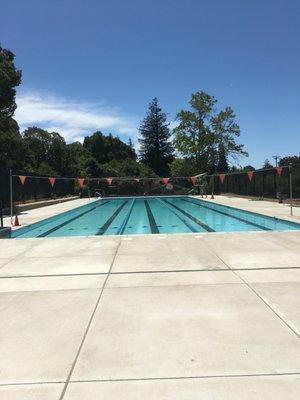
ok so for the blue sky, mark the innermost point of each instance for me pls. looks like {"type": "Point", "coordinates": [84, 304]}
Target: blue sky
{"type": "Point", "coordinates": [97, 64]}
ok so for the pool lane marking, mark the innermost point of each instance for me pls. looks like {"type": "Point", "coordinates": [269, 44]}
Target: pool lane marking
{"type": "Point", "coordinates": [70, 220]}
{"type": "Point", "coordinates": [202, 224]}
{"type": "Point", "coordinates": [39, 224]}
{"type": "Point", "coordinates": [106, 225]}
{"type": "Point", "coordinates": [152, 222]}
{"type": "Point", "coordinates": [126, 219]}
{"type": "Point", "coordinates": [178, 216]}
{"type": "Point", "coordinates": [228, 215]}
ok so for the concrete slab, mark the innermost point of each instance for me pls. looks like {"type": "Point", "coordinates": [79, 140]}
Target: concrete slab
{"type": "Point", "coordinates": [270, 275]}
{"type": "Point", "coordinates": [172, 279]}
{"type": "Point", "coordinates": [32, 266]}
{"type": "Point", "coordinates": [4, 261]}
{"type": "Point", "coordinates": [253, 250]}
{"type": "Point", "coordinates": [12, 248]}
{"type": "Point", "coordinates": [165, 253]}
{"type": "Point", "coordinates": [74, 246]}
{"type": "Point", "coordinates": [185, 331]}
{"type": "Point", "coordinates": [170, 261]}
{"type": "Point", "coordinates": [41, 332]}
{"type": "Point", "coordinates": [288, 240]}
{"type": "Point", "coordinates": [237, 388]}
{"type": "Point", "coordinates": [284, 298]}
{"type": "Point", "coordinates": [162, 244]}
{"type": "Point", "coordinates": [51, 283]}
{"type": "Point", "coordinates": [31, 392]}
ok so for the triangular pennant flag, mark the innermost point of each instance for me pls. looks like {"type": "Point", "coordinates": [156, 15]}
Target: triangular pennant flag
{"type": "Point", "coordinates": [194, 180]}
{"type": "Point", "coordinates": [165, 180]}
{"type": "Point", "coordinates": [279, 170]}
{"type": "Point", "coordinates": [109, 180]}
{"type": "Point", "coordinates": [250, 175]}
{"type": "Point", "coordinates": [80, 182]}
{"type": "Point", "coordinates": [22, 179]}
{"type": "Point", "coordinates": [222, 177]}
{"type": "Point", "coordinates": [137, 180]}
{"type": "Point", "coordinates": [52, 181]}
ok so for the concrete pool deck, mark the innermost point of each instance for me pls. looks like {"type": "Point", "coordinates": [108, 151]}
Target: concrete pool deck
{"type": "Point", "coordinates": [213, 316]}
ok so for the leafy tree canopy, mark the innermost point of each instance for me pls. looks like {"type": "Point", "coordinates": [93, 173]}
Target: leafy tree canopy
{"type": "Point", "coordinates": [289, 160]}
{"type": "Point", "coordinates": [183, 167]}
{"type": "Point", "coordinates": [206, 137]}
{"type": "Point", "coordinates": [106, 148]}
{"type": "Point", "coordinates": [10, 78]}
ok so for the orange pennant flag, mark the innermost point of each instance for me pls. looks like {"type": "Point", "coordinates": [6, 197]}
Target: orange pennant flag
{"type": "Point", "coordinates": [80, 182]}
{"type": "Point", "coordinates": [279, 170]}
{"type": "Point", "coordinates": [222, 177]}
{"type": "Point", "coordinates": [52, 181]}
{"type": "Point", "coordinates": [250, 175]}
{"type": "Point", "coordinates": [22, 179]}
{"type": "Point", "coordinates": [194, 180]}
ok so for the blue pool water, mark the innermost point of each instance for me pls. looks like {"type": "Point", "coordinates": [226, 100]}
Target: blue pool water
{"type": "Point", "coordinates": [126, 216]}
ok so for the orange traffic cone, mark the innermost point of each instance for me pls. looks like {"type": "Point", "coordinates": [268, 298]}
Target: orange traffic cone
{"type": "Point", "coordinates": [17, 223]}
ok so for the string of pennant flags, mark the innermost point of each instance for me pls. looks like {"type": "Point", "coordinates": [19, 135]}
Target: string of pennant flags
{"type": "Point", "coordinates": [166, 180]}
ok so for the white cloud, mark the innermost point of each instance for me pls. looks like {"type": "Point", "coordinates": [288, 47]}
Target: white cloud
{"type": "Point", "coordinates": [72, 119]}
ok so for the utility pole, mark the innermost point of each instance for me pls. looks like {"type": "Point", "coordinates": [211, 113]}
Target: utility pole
{"type": "Point", "coordinates": [276, 158]}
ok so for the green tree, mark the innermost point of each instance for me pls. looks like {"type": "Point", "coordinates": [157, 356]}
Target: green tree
{"type": "Point", "coordinates": [248, 168]}
{"type": "Point", "coordinates": [48, 151]}
{"type": "Point", "coordinates": [13, 152]}
{"type": "Point", "coordinates": [156, 150]}
{"type": "Point", "coordinates": [193, 138]}
{"type": "Point", "coordinates": [126, 168]}
{"type": "Point", "coordinates": [106, 148]}
{"type": "Point", "coordinates": [225, 131]}
{"type": "Point", "coordinates": [222, 159]}
{"type": "Point", "coordinates": [183, 167]}
{"type": "Point", "coordinates": [76, 159]}
{"type": "Point", "coordinates": [267, 164]}
{"type": "Point", "coordinates": [130, 145]}
{"type": "Point", "coordinates": [289, 160]}
{"type": "Point", "coordinates": [10, 78]}
{"type": "Point", "coordinates": [208, 138]}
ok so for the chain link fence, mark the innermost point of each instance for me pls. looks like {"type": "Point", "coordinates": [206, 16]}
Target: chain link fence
{"type": "Point", "coordinates": [265, 183]}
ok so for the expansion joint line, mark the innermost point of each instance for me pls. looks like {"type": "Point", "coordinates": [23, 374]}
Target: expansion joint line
{"type": "Point", "coordinates": [88, 326]}
{"type": "Point", "coordinates": [250, 287]}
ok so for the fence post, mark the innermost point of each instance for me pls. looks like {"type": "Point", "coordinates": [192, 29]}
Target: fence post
{"type": "Point", "coordinates": [291, 189]}
{"type": "Point", "coordinates": [1, 215]}
{"type": "Point", "coordinates": [11, 197]}
{"type": "Point", "coordinates": [213, 187]}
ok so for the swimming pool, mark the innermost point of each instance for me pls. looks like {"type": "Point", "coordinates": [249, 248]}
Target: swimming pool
{"type": "Point", "coordinates": [150, 215]}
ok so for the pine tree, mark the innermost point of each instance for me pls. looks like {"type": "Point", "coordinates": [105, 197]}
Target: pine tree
{"type": "Point", "coordinates": [131, 147]}
{"type": "Point", "coordinates": [156, 151]}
